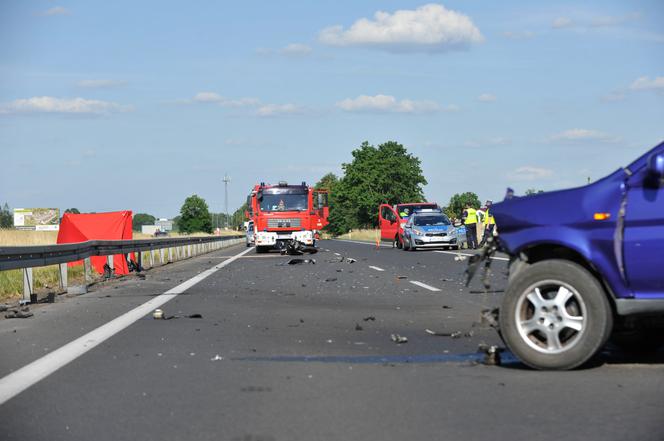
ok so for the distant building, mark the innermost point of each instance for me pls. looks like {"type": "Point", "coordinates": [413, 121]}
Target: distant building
{"type": "Point", "coordinates": [164, 224]}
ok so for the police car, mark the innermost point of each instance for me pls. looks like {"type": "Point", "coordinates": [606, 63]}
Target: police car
{"type": "Point", "coordinates": [430, 229]}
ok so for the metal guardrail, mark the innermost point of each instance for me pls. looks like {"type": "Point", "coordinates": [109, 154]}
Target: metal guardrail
{"type": "Point", "coordinates": [29, 257]}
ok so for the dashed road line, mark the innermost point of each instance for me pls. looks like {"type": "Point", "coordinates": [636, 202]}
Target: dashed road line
{"type": "Point", "coordinates": [376, 268]}
{"type": "Point", "coordinates": [425, 286]}
{"type": "Point", "coordinates": [18, 381]}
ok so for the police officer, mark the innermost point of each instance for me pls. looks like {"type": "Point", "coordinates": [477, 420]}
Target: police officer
{"type": "Point", "coordinates": [490, 223]}
{"type": "Point", "coordinates": [470, 222]}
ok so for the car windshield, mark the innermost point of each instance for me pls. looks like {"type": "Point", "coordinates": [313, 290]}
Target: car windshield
{"type": "Point", "coordinates": [432, 220]}
{"type": "Point", "coordinates": [284, 202]}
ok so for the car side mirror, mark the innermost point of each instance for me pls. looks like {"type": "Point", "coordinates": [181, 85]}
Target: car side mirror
{"type": "Point", "coordinates": [656, 166]}
{"type": "Point", "coordinates": [406, 226]}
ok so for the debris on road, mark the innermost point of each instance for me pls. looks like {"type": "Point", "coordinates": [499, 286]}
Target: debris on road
{"type": "Point", "coordinates": [398, 339]}
{"type": "Point", "coordinates": [455, 334]}
{"type": "Point", "coordinates": [158, 314]}
{"type": "Point", "coordinates": [358, 327]}
{"type": "Point", "coordinates": [350, 260]}
{"type": "Point", "coordinates": [3, 307]}
{"type": "Point", "coordinates": [446, 307]}
{"type": "Point", "coordinates": [491, 354]}
{"type": "Point", "coordinates": [217, 358]}
{"type": "Point", "coordinates": [21, 313]}
{"type": "Point", "coordinates": [369, 318]}
{"type": "Point", "coordinates": [460, 258]}
{"type": "Point", "coordinates": [402, 277]}
{"type": "Point", "coordinates": [300, 261]}
{"type": "Point", "coordinates": [331, 279]}
{"type": "Point", "coordinates": [489, 318]}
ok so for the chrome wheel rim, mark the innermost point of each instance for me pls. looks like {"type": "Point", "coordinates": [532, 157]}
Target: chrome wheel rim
{"type": "Point", "coordinates": [551, 316]}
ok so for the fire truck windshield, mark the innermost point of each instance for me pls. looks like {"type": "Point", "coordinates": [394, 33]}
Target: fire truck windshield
{"type": "Point", "coordinates": [284, 202]}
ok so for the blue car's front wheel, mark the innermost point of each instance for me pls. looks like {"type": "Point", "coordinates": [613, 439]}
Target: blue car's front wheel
{"type": "Point", "coordinates": [555, 315]}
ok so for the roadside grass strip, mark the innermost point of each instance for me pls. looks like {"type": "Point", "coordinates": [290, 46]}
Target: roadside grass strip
{"type": "Point", "coordinates": [18, 381]}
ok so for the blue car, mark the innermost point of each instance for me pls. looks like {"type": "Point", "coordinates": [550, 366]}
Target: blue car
{"type": "Point", "coordinates": [430, 229]}
{"type": "Point", "coordinates": [586, 264]}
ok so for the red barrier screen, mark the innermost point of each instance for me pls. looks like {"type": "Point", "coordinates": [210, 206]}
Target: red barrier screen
{"type": "Point", "coordinates": [98, 226]}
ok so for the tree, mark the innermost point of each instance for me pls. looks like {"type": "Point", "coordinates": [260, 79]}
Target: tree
{"type": "Point", "coordinates": [141, 219]}
{"type": "Point", "coordinates": [6, 217]}
{"type": "Point", "coordinates": [72, 211]}
{"type": "Point", "coordinates": [384, 174]}
{"type": "Point", "coordinates": [458, 203]}
{"type": "Point", "coordinates": [327, 182]}
{"type": "Point", "coordinates": [532, 191]}
{"type": "Point", "coordinates": [194, 216]}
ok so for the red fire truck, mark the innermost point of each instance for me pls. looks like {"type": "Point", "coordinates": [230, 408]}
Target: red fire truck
{"type": "Point", "coordinates": [286, 215]}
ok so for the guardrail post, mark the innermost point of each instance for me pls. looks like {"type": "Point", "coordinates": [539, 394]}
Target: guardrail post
{"type": "Point", "coordinates": [139, 261]}
{"type": "Point", "coordinates": [63, 276]}
{"type": "Point", "coordinates": [151, 259]}
{"type": "Point", "coordinates": [162, 255]}
{"type": "Point", "coordinates": [170, 254]}
{"type": "Point", "coordinates": [86, 270]}
{"type": "Point", "coordinates": [189, 250]}
{"type": "Point", "coordinates": [27, 284]}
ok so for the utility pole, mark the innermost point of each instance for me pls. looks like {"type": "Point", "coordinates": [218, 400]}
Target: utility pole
{"type": "Point", "coordinates": [226, 180]}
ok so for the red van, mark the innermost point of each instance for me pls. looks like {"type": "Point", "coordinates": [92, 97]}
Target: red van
{"type": "Point", "coordinates": [391, 219]}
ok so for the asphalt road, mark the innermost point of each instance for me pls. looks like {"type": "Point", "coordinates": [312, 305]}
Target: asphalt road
{"type": "Point", "coordinates": [304, 352]}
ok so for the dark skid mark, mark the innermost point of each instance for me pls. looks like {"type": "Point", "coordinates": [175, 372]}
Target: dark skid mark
{"type": "Point", "coordinates": [477, 357]}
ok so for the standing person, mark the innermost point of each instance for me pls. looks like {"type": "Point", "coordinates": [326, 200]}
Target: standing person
{"type": "Point", "coordinates": [470, 222]}
{"type": "Point", "coordinates": [490, 224]}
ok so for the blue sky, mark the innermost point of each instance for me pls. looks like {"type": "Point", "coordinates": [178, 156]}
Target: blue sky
{"type": "Point", "coordinates": [137, 105]}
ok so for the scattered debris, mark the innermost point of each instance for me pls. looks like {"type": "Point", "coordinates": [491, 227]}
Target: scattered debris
{"type": "Point", "coordinates": [446, 307]}
{"type": "Point", "coordinates": [491, 354]}
{"type": "Point", "coordinates": [489, 318]}
{"type": "Point", "coordinates": [455, 334]}
{"type": "Point", "coordinates": [358, 327]}
{"type": "Point", "coordinates": [340, 270]}
{"type": "Point", "coordinates": [369, 318]}
{"type": "Point", "coordinates": [469, 333]}
{"type": "Point", "coordinates": [460, 258]}
{"type": "Point", "coordinates": [398, 339]}
{"type": "Point", "coordinates": [21, 313]}
{"type": "Point", "coordinates": [301, 261]}
{"type": "Point", "coordinates": [3, 307]}
{"type": "Point", "coordinates": [331, 279]}
{"type": "Point", "coordinates": [158, 314]}
{"type": "Point", "coordinates": [402, 277]}
{"type": "Point", "coordinates": [350, 260]}
{"type": "Point", "coordinates": [195, 316]}
{"type": "Point", "coordinates": [217, 358]}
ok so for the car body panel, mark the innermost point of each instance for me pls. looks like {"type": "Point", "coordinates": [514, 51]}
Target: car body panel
{"type": "Point", "coordinates": [627, 252]}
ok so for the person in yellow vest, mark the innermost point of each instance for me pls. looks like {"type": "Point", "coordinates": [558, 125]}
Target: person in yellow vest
{"type": "Point", "coordinates": [490, 224]}
{"type": "Point", "coordinates": [470, 222]}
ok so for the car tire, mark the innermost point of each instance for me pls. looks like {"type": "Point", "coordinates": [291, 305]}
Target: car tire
{"type": "Point", "coordinates": [406, 244]}
{"type": "Point", "coordinates": [555, 315]}
{"type": "Point", "coordinates": [411, 245]}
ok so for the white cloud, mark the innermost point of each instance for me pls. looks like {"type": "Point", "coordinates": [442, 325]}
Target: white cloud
{"type": "Point", "coordinates": [562, 22]}
{"type": "Point", "coordinates": [56, 10]}
{"type": "Point", "coordinates": [215, 98]}
{"type": "Point", "coordinates": [279, 110]}
{"type": "Point", "coordinates": [486, 98]}
{"type": "Point", "coordinates": [530, 173]}
{"type": "Point", "coordinates": [645, 83]}
{"type": "Point", "coordinates": [48, 104]}
{"type": "Point", "coordinates": [429, 28]}
{"type": "Point", "coordinates": [583, 135]}
{"type": "Point", "coordinates": [100, 84]}
{"type": "Point", "coordinates": [296, 50]}
{"type": "Point", "coordinates": [388, 103]}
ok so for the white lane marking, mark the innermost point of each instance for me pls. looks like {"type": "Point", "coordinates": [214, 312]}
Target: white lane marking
{"type": "Point", "coordinates": [376, 268]}
{"type": "Point", "coordinates": [356, 241]}
{"type": "Point", "coordinates": [18, 381]}
{"type": "Point", "coordinates": [456, 253]}
{"type": "Point", "coordinates": [425, 286]}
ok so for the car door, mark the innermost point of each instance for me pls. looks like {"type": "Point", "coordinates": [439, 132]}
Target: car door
{"type": "Point", "coordinates": [643, 245]}
{"type": "Point", "coordinates": [387, 219]}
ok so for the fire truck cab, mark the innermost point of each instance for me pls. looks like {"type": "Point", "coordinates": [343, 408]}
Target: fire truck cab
{"type": "Point", "coordinates": [286, 215]}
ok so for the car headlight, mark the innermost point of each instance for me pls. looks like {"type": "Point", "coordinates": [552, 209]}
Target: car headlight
{"type": "Point", "coordinates": [418, 232]}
